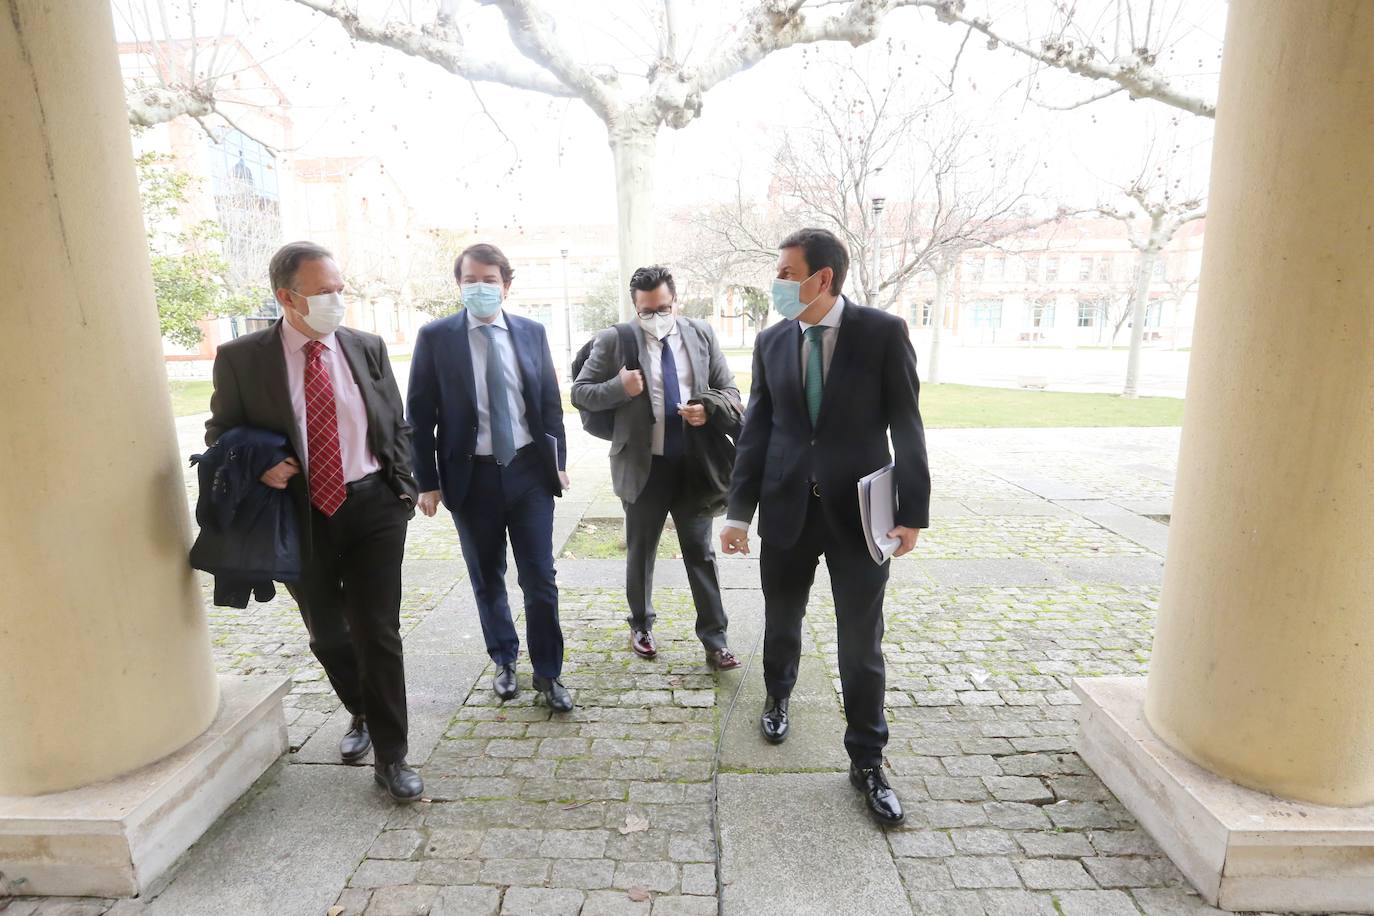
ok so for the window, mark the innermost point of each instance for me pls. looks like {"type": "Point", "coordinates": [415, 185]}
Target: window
{"type": "Point", "coordinates": [1085, 267]}
{"type": "Point", "coordinates": [1087, 313]}
{"type": "Point", "coordinates": [995, 266]}
{"type": "Point", "coordinates": [541, 312]}
{"type": "Point", "coordinates": [923, 313]}
{"type": "Point", "coordinates": [1042, 315]}
{"type": "Point", "coordinates": [975, 269]}
{"type": "Point", "coordinates": [987, 314]}
{"type": "Point", "coordinates": [1104, 269]}
{"type": "Point", "coordinates": [1032, 266]}
{"type": "Point", "coordinates": [243, 178]}
{"type": "Point", "coordinates": [1052, 269]}
{"type": "Point", "coordinates": [1153, 309]}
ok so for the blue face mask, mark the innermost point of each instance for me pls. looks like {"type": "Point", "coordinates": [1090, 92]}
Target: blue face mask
{"type": "Point", "coordinates": [482, 299]}
{"type": "Point", "coordinates": [787, 297]}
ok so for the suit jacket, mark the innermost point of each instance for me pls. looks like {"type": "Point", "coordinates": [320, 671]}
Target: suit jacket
{"type": "Point", "coordinates": [251, 390]}
{"type": "Point", "coordinates": [442, 404]}
{"type": "Point", "coordinates": [598, 387]}
{"type": "Point", "coordinates": [870, 390]}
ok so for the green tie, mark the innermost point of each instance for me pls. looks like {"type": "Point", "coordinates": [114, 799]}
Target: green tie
{"type": "Point", "coordinates": [815, 371]}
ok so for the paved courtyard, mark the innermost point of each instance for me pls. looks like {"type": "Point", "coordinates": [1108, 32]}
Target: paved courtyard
{"type": "Point", "coordinates": [657, 797]}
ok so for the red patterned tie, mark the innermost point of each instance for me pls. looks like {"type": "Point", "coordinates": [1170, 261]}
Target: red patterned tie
{"type": "Point", "coordinates": [324, 463]}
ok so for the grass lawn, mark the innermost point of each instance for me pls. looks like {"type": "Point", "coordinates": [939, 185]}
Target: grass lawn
{"type": "Point", "coordinates": [190, 397]}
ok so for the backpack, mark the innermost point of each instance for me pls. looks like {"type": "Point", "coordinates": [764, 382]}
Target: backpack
{"type": "Point", "coordinates": [601, 423]}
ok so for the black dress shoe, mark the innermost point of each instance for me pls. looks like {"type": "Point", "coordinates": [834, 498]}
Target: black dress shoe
{"type": "Point", "coordinates": [555, 694]}
{"type": "Point", "coordinates": [882, 801]}
{"type": "Point", "coordinates": [355, 745]}
{"type": "Point", "coordinates": [401, 782]}
{"type": "Point", "coordinates": [774, 720]}
{"type": "Point", "coordinates": [504, 682]}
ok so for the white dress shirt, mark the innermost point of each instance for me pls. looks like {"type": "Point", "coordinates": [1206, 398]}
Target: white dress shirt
{"type": "Point", "coordinates": [653, 349]}
{"type": "Point", "coordinates": [477, 342]}
{"type": "Point", "coordinates": [357, 459]}
{"type": "Point", "coordinates": [832, 321]}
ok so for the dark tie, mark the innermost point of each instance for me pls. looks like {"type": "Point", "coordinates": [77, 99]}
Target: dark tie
{"type": "Point", "coordinates": [498, 401]}
{"type": "Point", "coordinates": [672, 396]}
{"type": "Point", "coordinates": [815, 371]}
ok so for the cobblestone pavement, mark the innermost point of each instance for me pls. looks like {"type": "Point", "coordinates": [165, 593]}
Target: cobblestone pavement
{"type": "Point", "coordinates": [1042, 564]}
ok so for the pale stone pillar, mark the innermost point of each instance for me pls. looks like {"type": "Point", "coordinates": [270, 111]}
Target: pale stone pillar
{"type": "Point", "coordinates": [104, 653]}
{"type": "Point", "coordinates": [1263, 668]}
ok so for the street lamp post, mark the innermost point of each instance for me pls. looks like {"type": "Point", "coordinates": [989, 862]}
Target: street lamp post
{"type": "Point", "coordinates": [567, 313]}
{"type": "Point", "coordinates": [877, 198]}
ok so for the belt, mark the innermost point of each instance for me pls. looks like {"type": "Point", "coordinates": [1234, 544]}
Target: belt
{"type": "Point", "coordinates": [491, 459]}
{"type": "Point", "coordinates": [363, 483]}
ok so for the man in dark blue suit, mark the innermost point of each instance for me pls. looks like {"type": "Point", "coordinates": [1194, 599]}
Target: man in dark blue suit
{"type": "Point", "coordinates": [830, 384]}
{"type": "Point", "coordinates": [488, 441]}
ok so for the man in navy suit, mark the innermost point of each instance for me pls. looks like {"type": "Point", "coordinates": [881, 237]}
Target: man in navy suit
{"type": "Point", "coordinates": [489, 442]}
{"type": "Point", "coordinates": [830, 384]}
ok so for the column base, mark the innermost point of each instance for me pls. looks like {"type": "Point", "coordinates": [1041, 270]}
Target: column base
{"type": "Point", "coordinates": [1243, 850]}
{"type": "Point", "coordinates": [117, 838]}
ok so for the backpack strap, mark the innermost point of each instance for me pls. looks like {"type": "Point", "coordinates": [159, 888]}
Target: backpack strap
{"type": "Point", "coordinates": [629, 351]}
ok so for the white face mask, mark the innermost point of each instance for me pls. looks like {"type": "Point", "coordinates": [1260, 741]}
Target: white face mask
{"type": "Point", "coordinates": [326, 313]}
{"type": "Point", "coordinates": [660, 325]}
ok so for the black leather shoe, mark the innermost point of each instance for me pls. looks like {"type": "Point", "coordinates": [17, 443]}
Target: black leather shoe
{"type": "Point", "coordinates": [504, 682]}
{"type": "Point", "coordinates": [555, 694]}
{"type": "Point", "coordinates": [882, 801]}
{"type": "Point", "coordinates": [355, 745]}
{"type": "Point", "coordinates": [401, 782]}
{"type": "Point", "coordinates": [774, 720]}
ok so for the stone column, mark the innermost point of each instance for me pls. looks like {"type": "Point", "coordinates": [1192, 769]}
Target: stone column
{"type": "Point", "coordinates": [104, 653]}
{"type": "Point", "coordinates": [1265, 647]}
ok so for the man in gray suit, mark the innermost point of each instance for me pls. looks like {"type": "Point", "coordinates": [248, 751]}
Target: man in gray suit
{"type": "Point", "coordinates": [680, 360]}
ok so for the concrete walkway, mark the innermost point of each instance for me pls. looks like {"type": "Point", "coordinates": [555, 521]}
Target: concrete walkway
{"type": "Point", "coordinates": [656, 796]}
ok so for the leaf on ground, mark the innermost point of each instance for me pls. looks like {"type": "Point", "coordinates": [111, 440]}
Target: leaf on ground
{"type": "Point", "coordinates": [638, 894]}
{"type": "Point", "coordinates": [334, 911]}
{"type": "Point", "coordinates": [634, 824]}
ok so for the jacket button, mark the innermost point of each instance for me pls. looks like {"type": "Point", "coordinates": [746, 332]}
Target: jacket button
{"type": "Point", "coordinates": [813, 441]}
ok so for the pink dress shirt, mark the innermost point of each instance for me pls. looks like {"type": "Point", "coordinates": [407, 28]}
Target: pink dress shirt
{"type": "Point", "coordinates": [358, 460]}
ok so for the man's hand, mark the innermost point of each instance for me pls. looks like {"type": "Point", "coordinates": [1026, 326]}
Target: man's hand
{"type": "Point", "coordinates": [694, 414]}
{"type": "Point", "coordinates": [908, 538]}
{"type": "Point", "coordinates": [429, 502]}
{"type": "Point", "coordinates": [277, 476]}
{"type": "Point", "coordinates": [633, 380]}
{"type": "Point", "coordinates": [734, 540]}
{"type": "Point", "coordinates": [564, 480]}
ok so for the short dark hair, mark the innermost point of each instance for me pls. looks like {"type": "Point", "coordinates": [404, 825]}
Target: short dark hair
{"type": "Point", "coordinates": [648, 279]}
{"type": "Point", "coordinates": [281, 272]}
{"type": "Point", "coordinates": [483, 253]}
{"type": "Point", "coordinates": [821, 248]}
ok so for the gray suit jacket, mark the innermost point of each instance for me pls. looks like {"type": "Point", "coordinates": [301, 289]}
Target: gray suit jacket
{"type": "Point", "coordinates": [598, 387]}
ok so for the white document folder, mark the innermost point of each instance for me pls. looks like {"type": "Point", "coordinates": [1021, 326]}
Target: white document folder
{"type": "Point", "coordinates": [878, 511]}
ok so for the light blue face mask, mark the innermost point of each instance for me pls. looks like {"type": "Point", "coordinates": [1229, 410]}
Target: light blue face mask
{"type": "Point", "coordinates": [787, 297]}
{"type": "Point", "coordinates": [482, 299]}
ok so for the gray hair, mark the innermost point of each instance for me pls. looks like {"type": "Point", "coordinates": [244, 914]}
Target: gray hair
{"type": "Point", "coordinates": [282, 270]}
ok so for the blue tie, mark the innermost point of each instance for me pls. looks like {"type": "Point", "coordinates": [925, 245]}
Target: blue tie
{"type": "Point", "coordinates": [498, 401]}
{"type": "Point", "coordinates": [815, 371]}
{"type": "Point", "coordinates": [672, 396]}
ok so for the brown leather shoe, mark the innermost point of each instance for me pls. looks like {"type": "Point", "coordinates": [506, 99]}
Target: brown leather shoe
{"type": "Point", "coordinates": [721, 659]}
{"type": "Point", "coordinates": [642, 641]}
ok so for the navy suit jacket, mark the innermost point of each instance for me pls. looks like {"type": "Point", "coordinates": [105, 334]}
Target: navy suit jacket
{"type": "Point", "coordinates": [442, 404]}
{"type": "Point", "coordinates": [870, 390]}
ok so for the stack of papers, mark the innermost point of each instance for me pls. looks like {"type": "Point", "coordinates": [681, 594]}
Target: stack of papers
{"type": "Point", "coordinates": [878, 511]}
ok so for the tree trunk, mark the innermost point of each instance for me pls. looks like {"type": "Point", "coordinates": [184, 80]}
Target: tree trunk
{"type": "Point", "coordinates": [634, 145]}
{"type": "Point", "coordinates": [937, 324]}
{"type": "Point", "coordinates": [1138, 303]}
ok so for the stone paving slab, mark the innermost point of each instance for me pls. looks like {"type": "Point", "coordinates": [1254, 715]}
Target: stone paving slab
{"type": "Point", "coordinates": [802, 843]}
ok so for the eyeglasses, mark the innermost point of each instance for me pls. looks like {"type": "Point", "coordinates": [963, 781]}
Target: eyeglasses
{"type": "Point", "coordinates": [661, 310]}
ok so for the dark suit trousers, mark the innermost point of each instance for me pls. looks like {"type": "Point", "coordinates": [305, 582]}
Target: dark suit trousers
{"type": "Point", "coordinates": [350, 598]}
{"type": "Point", "coordinates": [858, 585]}
{"type": "Point", "coordinates": [644, 520]}
{"type": "Point", "coordinates": [514, 500]}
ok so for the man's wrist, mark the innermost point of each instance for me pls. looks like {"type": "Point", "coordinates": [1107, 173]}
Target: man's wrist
{"type": "Point", "coordinates": [736, 523]}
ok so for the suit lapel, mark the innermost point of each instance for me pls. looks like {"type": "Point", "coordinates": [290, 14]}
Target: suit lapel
{"type": "Point", "coordinates": [846, 342]}
{"type": "Point", "coordinates": [696, 355]}
{"type": "Point", "coordinates": [523, 365]}
{"type": "Point", "coordinates": [272, 366]}
{"type": "Point", "coordinates": [790, 392]}
{"type": "Point", "coordinates": [462, 349]}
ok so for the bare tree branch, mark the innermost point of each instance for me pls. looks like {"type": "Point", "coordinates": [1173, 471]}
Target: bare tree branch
{"type": "Point", "coordinates": [532, 32]}
{"type": "Point", "coordinates": [442, 45]}
{"type": "Point", "coordinates": [152, 105]}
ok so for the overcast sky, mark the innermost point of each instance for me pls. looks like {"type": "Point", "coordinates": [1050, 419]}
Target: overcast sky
{"type": "Point", "coordinates": [548, 161]}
